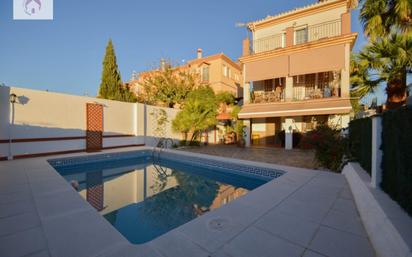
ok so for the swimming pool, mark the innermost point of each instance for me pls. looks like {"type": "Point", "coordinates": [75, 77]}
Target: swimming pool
{"type": "Point", "coordinates": [144, 196]}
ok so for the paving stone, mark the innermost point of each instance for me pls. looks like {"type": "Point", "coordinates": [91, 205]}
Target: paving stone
{"type": "Point", "coordinates": [80, 234]}
{"type": "Point", "coordinates": [294, 229]}
{"type": "Point", "coordinates": [23, 243]}
{"type": "Point", "coordinates": [130, 250]}
{"type": "Point", "coordinates": [345, 222]}
{"type": "Point", "coordinates": [210, 237]}
{"type": "Point", "coordinates": [311, 211]}
{"type": "Point", "coordinates": [61, 202]}
{"type": "Point", "coordinates": [345, 206]}
{"type": "Point", "coordinates": [44, 253]}
{"type": "Point", "coordinates": [309, 253]}
{"type": "Point", "coordinates": [48, 186]}
{"type": "Point", "coordinates": [16, 208]}
{"type": "Point", "coordinates": [258, 243]}
{"type": "Point", "coordinates": [22, 195]}
{"type": "Point", "coordinates": [331, 242]}
{"type": "Point", "coordinates": [181, 246]}
{"type": "Point", "coordinates": [17, 223]}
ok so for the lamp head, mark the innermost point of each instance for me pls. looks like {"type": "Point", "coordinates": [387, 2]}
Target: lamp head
{"type": "Point", "coordinates": [13, 98]}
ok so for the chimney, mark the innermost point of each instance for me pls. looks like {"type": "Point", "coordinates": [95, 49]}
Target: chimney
{"type": "Point", "coordinates": [199, 53]}
{"type": "Point", "coordinates": [162, 64]}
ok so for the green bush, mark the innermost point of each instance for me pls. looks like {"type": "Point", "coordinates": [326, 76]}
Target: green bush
{"type": "Point", "coordinates": [329, 146]}
{"type": "Point", "coordinates": [360, 142]}
{"type": "Point", "coordinates": [397, 156]}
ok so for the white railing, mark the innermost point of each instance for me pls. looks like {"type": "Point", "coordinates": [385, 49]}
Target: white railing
{"type": "Point", "coordinates": [268, 43]}
{"type": "Point", "coordinates": [324, 30]}
{"type": "Point", "coordinates": [312, 33]}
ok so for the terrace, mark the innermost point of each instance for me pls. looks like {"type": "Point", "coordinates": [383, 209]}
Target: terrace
{"type": "Point", "coordinates": [46, 211]}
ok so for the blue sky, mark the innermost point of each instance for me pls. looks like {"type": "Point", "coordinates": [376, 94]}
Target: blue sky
{"type": "Point", "coordinates": [65, 54]}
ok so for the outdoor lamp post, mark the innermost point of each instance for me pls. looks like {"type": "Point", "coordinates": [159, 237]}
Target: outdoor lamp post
{"type": "Point", "coordinates": [13, 100]}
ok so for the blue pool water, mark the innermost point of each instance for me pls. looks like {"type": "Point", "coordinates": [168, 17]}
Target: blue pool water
{"type": "Point", "coordinates": [143, 199]}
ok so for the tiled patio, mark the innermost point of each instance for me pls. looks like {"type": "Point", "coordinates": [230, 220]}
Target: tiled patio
{"type": "Point", "coordinates": [295, 157]}
{"type": "Point", "coordinates": [302, 213]}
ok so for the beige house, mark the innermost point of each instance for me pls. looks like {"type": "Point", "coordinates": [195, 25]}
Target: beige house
{"type": "Point", "coordinates": [218, 70]}
{"type": "Point", "coordinates": [296, 71]}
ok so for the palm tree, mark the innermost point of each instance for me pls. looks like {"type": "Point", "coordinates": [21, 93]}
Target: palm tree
{"type": "Point", "coordinates": [380, 18]}
{"type": "Point", "coordinates": [385, 59]}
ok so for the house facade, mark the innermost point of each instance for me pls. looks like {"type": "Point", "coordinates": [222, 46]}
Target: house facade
{"type": "Point", "coordinates": [218, 71]}
{"type": "Point", "coordinates": [296, 71]}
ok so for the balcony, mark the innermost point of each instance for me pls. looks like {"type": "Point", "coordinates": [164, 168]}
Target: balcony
{"type": "Point", "coordinates": [300, 35]}
{"type": "Point", "coordinates": [316, 86]}
{"type": "Point", "coordinates": [268, 43]}
{"type": "Point", "coordinates": [324, 30]}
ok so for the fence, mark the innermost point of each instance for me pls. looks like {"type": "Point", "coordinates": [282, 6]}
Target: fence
{"type": "Point", "coordinates": [360, 137]}
{"type": "Point", "coordinates": [397, 156]}
{"type": "Point", "coordinates": [382, 145]}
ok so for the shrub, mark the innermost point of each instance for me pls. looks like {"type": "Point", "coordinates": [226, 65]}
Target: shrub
{"type": "Point", "coordinates": [397, 156]}
{"type": "Point", "coordinates": [329, 146]}
{"type": "Point", "coordinates": [360, 142]}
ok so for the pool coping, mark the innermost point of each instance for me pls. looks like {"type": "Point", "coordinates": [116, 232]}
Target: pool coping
{"type": "Point", "coordinates": [67, 221]}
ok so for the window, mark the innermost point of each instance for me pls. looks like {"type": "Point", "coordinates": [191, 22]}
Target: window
{"type": "Point", "coordinates": [301, 36]}
{"type": "Point", "coordinates": [236, 77]}
{"type": "Point", "coordinates": [205, 74]}
{"type": "Point", "coordinates": [226, 71]}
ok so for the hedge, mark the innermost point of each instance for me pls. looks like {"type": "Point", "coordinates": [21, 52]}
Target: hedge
{"type": "Point", "coordinates": [360, 142]}
{"type": "Point", "coordinates": [397, 156]}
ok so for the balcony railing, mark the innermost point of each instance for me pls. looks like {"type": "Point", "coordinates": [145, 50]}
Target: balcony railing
{"type": "Point", "coordinates": [268, 97]}
{"type": "Point", "coordinates": [311, 33]}
{"type": "Point", "coordinates": [268, 43]}
{"type": "Point", "coordinates": [324, 30]}
{"type": "Point", "coordinates": [308, 93]}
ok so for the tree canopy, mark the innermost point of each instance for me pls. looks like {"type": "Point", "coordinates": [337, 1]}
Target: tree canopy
{"type": "Point", "coordinates": [198, 113]}
{"type": "Point", "coordinates": [111, 86]}
{"type": "Point", "coordinates": [168, 87]}
{"type": "Point", "coordinates": [387, 57]}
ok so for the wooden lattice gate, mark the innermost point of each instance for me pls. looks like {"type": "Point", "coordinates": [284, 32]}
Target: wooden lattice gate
{"type": "Point", "coordinates": [94, 132]}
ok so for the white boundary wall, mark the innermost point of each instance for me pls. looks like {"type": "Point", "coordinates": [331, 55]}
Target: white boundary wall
{"type": "Point", "coordinates": [45, 116]}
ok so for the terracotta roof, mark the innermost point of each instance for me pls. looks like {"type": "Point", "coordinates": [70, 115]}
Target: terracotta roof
{"type": "Point", "coordinates": [213, 57]}
{"type": "Point", "coordinates": [295, 10]}
{"type": "Point", "coordinates": [298, 108]}
{"type": "Point", "coordinates": [223, 116]}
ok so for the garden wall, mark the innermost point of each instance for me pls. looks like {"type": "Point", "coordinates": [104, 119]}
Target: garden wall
{"type": "Point", "coordinates": [47, 122]}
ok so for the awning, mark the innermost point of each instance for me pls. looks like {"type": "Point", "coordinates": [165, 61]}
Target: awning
{"type": "Point", "coordinates": [317, 60]}
{"type": "Point", "coordinates": [275, 67]}
{"type": "Point", "coordinates": [299, 108]}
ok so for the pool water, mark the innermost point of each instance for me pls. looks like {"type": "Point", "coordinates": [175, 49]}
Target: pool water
{"type": "Point", "coordinates": [144, 200]}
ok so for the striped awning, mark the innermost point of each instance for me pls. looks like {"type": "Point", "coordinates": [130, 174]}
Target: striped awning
{"type": "Point", "coordinates": [298, 108]}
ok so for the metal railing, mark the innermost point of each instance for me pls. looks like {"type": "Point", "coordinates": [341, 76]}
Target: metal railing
{"type": "Point", "coordinates": [324, 30]}
{"type": "Point", "coordinates": [312, 33]}
{"type": "Point", "coordinates": [268, 43]}
{"type": "Point", "coordinates": [162, 143]}
{"type": "Point", "coordinates": [268, 97]}
{"type": "Point", "coordinates": [308, 93]}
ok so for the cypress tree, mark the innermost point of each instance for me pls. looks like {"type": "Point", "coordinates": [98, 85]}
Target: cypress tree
{"type": "Point", "coordinates": [111, 86]}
